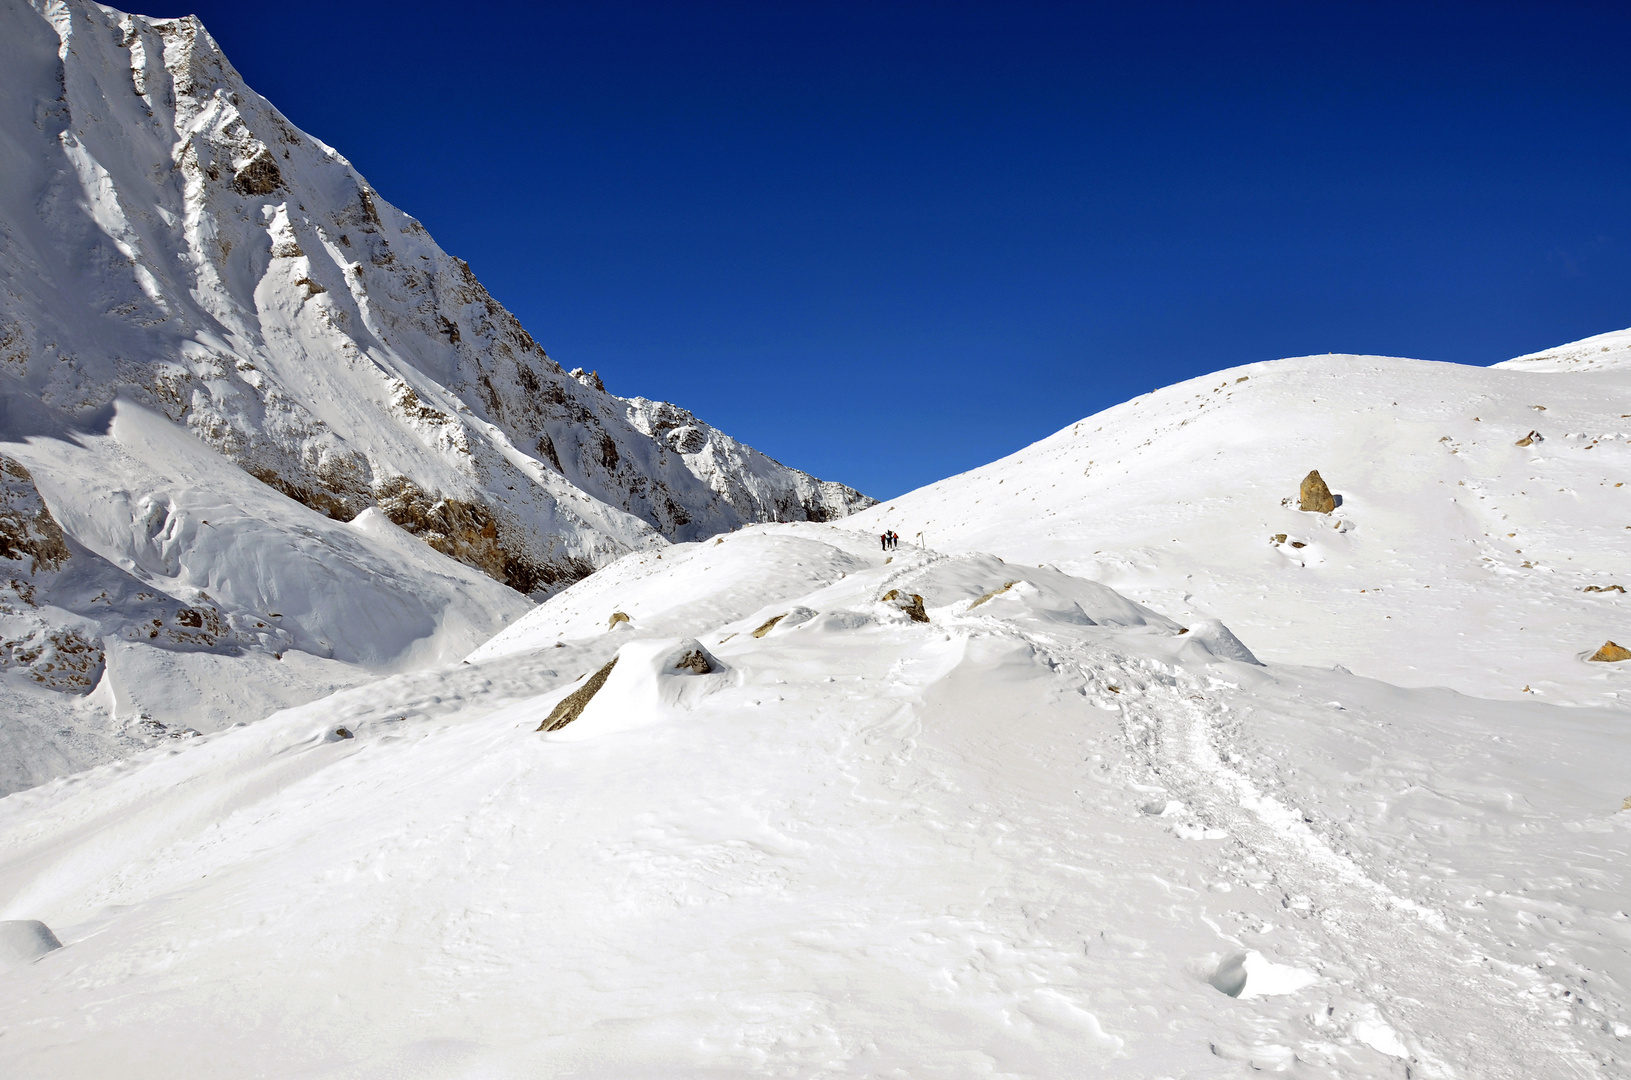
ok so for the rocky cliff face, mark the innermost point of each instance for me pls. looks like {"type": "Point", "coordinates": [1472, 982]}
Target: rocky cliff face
{"type": "Point", "coordinates": [238, 379]}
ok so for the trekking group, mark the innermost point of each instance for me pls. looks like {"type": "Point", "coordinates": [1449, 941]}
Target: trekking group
{"type": "Point", "coordinates": [890, 540]}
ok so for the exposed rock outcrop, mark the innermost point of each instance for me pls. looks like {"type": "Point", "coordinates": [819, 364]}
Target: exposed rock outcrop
{"type": "Point", "coordinates": [28, 532]}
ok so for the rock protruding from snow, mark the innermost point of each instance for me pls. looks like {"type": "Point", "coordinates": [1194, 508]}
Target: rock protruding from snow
{"type": "Point", "coordinates": [1314, 495]}
{"type": "Point", "coordinates": [647, 681]}
{"type": "Point", "coordinates": [572, 705]}
{"type": "Point", "coordinates": [22, 941]}
{"type": "Point", "coordinates": [1611, 653]}
{"type": "Point", "coordinates": [910, 603]}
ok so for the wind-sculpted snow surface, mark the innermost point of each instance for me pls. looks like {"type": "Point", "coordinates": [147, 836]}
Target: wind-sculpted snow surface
{"type": "Point", "coordinates": [185, 273]}
{"type": "Point", "coordinates": [1043, 835]}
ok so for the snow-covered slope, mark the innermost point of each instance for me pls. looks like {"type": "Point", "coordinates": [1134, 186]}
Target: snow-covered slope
{"type": "Point", "coordinates": [218, 343]}
{"type": "Point", "coordinates": [1482, 541]}
{"type": "Point", "coordinates": [1601, 352]}
{"type": "Point", "coordinates": [1045, 833]}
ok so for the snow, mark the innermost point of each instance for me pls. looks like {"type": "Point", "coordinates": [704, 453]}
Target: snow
{"type": "Point", "coordinates": [1456, 558]}
{"type": "Point", "coordinates": [1601, 352]}
{"type": "Point", "coordinates": [244, 383]}
{"type": "Point", "coordinates": [1176, 780]}
{"type": "Point", "coordinates": [23, 941]}
{"type": "Point", "coordinates": [863, 846]}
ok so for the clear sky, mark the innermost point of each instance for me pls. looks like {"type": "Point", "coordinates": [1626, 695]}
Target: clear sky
{"type": "Point", "coordinates": [887, 242]}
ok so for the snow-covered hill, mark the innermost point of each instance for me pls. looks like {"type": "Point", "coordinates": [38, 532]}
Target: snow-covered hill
{"type": "Point", "coordinates": [1483, 540]}
{"type": "Point", "coordinates": [1128, 767]}
{"type": "Point", "coordinates": [798, 831]}
{"type": "Point", "coordinates": [236, 373]}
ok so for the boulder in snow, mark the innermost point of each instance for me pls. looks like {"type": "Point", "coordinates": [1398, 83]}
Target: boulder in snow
{"type": "Point", "coordinates": [911, 603]}
{"type": "Point", "coordinates": [647, 681]}
{"type": "Point", "coordinates": [1315, 496]}
{"type": "Point", "coordinates": [1611, 653]}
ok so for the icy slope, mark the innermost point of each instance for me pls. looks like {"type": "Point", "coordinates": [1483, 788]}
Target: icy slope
{"type": "Point", "coordinates": [1043, 834]}
{"type": "Point", "coordinates": [235, 374]}
{"type": "Point", "coordinates": [1465, 552]}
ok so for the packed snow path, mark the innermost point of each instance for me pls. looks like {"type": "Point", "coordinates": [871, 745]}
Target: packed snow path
{"type": "Point", "coordinates": [868, 847]}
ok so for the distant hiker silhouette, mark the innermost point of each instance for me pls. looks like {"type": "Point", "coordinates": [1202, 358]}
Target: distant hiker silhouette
{"type": "Point", "coordinates": [885, 539]}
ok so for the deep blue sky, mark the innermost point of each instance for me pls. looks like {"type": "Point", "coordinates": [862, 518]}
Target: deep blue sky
{"type": "Point", "coordinates": [886, 242]}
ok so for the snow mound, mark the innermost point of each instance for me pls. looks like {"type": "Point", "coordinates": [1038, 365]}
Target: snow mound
{"type": "Point", "coordinates": [968, 846]}
{"type": "Point", "coordinates": [23, 941]}
{"type": "Point", "coordinates": [1249, 974]}
{"type": "Point", "coordinates": [648, 681]}
{"type": "Point", "coordinates": [1221, 642]}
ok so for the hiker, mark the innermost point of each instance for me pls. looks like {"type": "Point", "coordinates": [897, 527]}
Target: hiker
{"type": "Point", "coordinates": [885, 539]}
{"type": "Point", "coordinates": [894, 540]}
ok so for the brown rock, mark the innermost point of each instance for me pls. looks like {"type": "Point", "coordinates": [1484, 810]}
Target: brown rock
{"type": "Point", "coordinates": [912, 604]}
{"type": "Point", "coordinates": [572, 705]}
{"type": "Point", "coordinates": [766, 626]}
{"type": "Point", "coordinates": [1315, 496]}
{"type": "Point", "coordinates": [617, 617]}
{"type": "Point", "coordinates": [1611, 652]}
{"type": "Point", "coordinates": [259, 175]}
{"type": "Point", "coordinates": [28, 532]}
{"type": "Point", "coordinates": [695, 661]}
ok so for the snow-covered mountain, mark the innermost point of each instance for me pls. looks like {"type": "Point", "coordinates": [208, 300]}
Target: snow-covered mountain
{"type": "Point", "coordinates": [235, 374]}
{"type": "Point", "coordinates": [1122, 764]}
{"type": "Point", "coordinates": [784, 803]}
